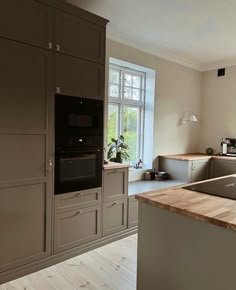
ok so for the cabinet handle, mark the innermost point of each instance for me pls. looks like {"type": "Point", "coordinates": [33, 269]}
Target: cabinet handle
{"type": "Point", "coordinates": [58, 47]}
{"type": "Point", "coordinates": [50, 45]}
{"type": "Point", "coordinates": [79, 212]}
{"type": "Point", "coordinates": [113, 171]}
{"type": "Point", "coordinates": [50, 164]}
{"type": "Point", "coordinates": [115, 203]}
{"type": "Point", "coordinates": [58, 90]}
{"type": "Point", "coordinates": [78, 194]}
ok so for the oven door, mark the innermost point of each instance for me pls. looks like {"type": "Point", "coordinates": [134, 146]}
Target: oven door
{"type": "Point", "coordinates": [78, 169]}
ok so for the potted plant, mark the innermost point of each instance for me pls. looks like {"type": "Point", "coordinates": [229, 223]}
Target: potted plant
{"type": "Point", "coordinates": [118, 150]}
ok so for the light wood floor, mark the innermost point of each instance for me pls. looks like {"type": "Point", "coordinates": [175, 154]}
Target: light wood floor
{"type": "Point", "coordinates": [112, 267]}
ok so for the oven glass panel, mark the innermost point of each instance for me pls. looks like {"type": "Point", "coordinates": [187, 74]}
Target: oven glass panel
{"type": "Point", "coordinates": [78, 168]}
{"type": "Point", "coordinates": [76, 120]}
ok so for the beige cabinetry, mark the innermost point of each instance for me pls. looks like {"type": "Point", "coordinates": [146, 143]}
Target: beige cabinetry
{"type": "Point", "coordinates": [132, 212]}
{"type": "Point", "coordinates": [27, 21]}
{"type": "Point", "coordinates": [25, 153]}
{"type": "Point", "coordinates": [80, 38]}
{"type": "Point", "coordinates": [77, 218]}
{"type": "Point", "coordinates": [185, 170]}
{"type": "Point", "coordinates": [222, 167]}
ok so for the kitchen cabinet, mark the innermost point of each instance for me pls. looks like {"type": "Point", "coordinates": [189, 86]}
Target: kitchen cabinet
{"type": "Point", "coordinates": [90, 75]}
{"type": "Point", "coordinates": [115, 184]}
{"type": "Point", "coordinates": [222, 167]}
{"type": "Point", "coordinates": [75, 200]}
{"type": "Point", "coordinates": [76, 227]}
{"type": "Point", "coordinates": [114, 216]}
{"type": "Point", "coordinates": [80, 38]}
{"type": "Point", "coordinates": [185, 170]}
{"type": "Point", "coordinates": [132, 212]}
{"type": "Point", "coordinates": [26, 21]}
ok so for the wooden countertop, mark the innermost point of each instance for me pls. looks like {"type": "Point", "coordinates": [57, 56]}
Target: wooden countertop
{"type": "Point", "coordinates": [196, 156]}
{"type": "Point", "coordinates": [114, 165]}
{"type": "Point", "coordinates": [208, 208]}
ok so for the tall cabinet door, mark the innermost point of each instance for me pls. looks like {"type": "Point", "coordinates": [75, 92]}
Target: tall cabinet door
{"type": "Point", "coordinates": [27, 21]}
{"type": "Point", "coordinates": [79, 38]}
{"type": "Point", "coordinates": [25, 154]}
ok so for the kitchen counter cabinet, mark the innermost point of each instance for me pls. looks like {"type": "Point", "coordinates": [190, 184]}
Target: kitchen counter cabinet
{"type": "Point", "coordinates": [191, 232]}
{"type": "Point", "coordinates": [222, 167]}
{"type": "Point", "coordinates": [185, 169]}
{"type": "Point", "coordinates": [115, 184]}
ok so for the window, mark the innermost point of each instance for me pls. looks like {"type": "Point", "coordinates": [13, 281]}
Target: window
{"type": "Point", "coordinates": [126, 108]}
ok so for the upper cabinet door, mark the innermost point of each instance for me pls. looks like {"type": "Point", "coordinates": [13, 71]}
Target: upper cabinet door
{"type": "Point", "coordinates": [79, 38]}
{"type": "Point", "coordinates": [27, 21]}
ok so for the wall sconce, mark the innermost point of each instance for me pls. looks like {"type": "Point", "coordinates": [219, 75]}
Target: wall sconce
{"type": "Point", "coordinates": [187, 117]}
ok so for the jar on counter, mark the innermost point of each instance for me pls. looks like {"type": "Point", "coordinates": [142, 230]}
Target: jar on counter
{"type": "Point", "coordinates": [147, 175]}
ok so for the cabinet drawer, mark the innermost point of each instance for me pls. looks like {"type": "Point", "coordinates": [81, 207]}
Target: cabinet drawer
{"type": "Point", "coordinates": [80, 38]}
{"type": "Point", "coordinates": [79, 199]}
{"type": "Point", "coordinates": [114, 216]}
{"type": "Point", "coordinates": [26, 21]}
{"type": "Point", "coordinates": [115, 184]}
{"type": "Point", "coordinates": [132, 212]}
{"type": "Point", "coordinates": [76, 77]}
{"type": "Point", "coordinates": [223, 167]}
{"type": "Point", "coordinates": [76, 227]}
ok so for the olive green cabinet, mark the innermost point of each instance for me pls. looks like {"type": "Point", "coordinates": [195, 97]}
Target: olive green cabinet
{"type": "Point", "coordinates": [26, 21]}
{"type": "Point", "coordinates": [77, 77]}
{"type": "Point", "coordinates": [80, 38]}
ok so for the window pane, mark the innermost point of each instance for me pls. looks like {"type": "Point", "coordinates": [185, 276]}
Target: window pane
{"type": "Point", "coordinates": [128, 93]}
{"type": "Point", "coordinates": [137, 82]}
{"type": "Point", "coordinates": [114, 76]}
{"type": "Point", "coordinates": [114, 91]}
{"type": "Point", "coordinates": [136, 94]}
{"type": "Point", "coordinates": [131, 131]}
{"type": "Point", "coordinates": [113, 113]}
{"type": "Point", "coordinates": [128, 80]}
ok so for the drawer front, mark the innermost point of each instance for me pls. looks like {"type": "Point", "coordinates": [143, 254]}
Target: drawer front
{"type": "Point", "coordinates": [76, 228]}
{"type": "Point", "coordinates": [115, 184]}
{"type": "Point", "coordinates": [79, 199]}
{"type": "Point", "coordinates": [80, 38]}
{"type": "Point", "coordinates": [132, 212]}
{"type": "Point", "coordinates": [114, 217]}
{"type": "Point", "coordinates": [223, 167]}
{"type": "Point", "coordinates": [76, 77]}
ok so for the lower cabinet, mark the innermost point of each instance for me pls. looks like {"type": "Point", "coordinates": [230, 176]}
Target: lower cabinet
{"type": "Point", "coordinates": [132, 212]}
{"type": "Point", "coordinates": [77, 227]}
{"type": "Point", "coordinates": [25, 223]}
{"type": "Point", "coordinates": [114, 216]}
{"type": "Point", "coordinates": [222, 167]}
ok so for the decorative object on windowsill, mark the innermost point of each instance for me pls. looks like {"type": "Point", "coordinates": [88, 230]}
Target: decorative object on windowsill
{"type": "Point", "coordinates": [118, 150]}
{"type": "Point", "coordinates": [139, 165]}
{"type": "Point", "coordinates": [187, 117]}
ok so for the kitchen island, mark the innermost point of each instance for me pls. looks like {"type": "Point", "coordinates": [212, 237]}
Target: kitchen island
{"type": "Point", "coordinates": [187, 241]}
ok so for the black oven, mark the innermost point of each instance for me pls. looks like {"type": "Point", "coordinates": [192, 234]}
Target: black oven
{"type": "Point", "coordinates": [78, 144]}
{"type": "Point", "coordinates": [78, 169]}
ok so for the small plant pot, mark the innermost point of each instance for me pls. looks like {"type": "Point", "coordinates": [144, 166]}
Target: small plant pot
{"type": "Point", "coordinates": [118, 157]}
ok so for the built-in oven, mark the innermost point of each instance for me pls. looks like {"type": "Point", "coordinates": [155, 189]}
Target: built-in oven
{"type": "Point", "coordinates": [78, 144]}
{"type": "Point", "coordinates": [78, 169]}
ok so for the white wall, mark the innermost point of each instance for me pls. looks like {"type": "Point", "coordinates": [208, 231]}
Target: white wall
{"type": "Point", "coordinates": [218, 108]}
{"type": "Point", "coordinates": [177, 89]}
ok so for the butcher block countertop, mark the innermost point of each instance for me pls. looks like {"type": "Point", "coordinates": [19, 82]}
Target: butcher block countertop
{"type": "Point", "coordinates": [208, 208]}
{"type": "Point", "coordinates": [195, 156]}
{"type": "Point", "coordinates": [114, 165]}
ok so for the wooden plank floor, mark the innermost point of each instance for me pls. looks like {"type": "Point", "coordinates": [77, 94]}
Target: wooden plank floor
{"type": "Point", "coordinates": [112, 267]}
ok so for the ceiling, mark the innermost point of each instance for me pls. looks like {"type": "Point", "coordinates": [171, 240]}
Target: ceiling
{"type": "Point", "coordinates": [197, 33]}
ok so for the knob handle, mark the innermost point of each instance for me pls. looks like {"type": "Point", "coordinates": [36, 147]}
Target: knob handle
{"type": "Point", "coordinates": [50, 45]}
{"type": "Point", "coordinates": [58, 47]}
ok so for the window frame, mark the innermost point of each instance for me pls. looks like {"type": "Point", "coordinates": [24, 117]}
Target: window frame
{"type": "Point", "coordinates": [121, 102]}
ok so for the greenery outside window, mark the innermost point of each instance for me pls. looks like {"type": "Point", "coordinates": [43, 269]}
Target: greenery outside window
{"type": "Point", "coordinates": [126, 108]}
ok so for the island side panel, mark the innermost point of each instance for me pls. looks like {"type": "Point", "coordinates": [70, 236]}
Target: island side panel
{"type": "Point", "coordinates": [180, 253]}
